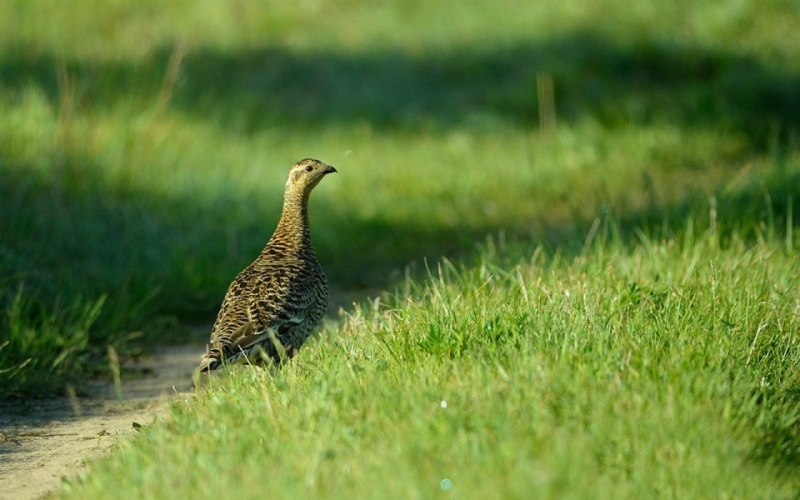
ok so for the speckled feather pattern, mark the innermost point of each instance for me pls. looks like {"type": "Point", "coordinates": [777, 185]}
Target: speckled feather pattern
{"type": "Point", "coordinates": [278, 301]}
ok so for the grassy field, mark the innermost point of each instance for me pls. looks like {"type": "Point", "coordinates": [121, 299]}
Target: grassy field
{"type": "Point", "coordinates": [666, 370]}
{"type": "Point", "coordinates": [143, 147]}
{"type": "Point", "coordinates": [630, 331]}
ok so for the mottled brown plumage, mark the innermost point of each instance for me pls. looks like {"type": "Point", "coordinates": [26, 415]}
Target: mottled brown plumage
{"type": "Point", "coordinates": [276, 302]}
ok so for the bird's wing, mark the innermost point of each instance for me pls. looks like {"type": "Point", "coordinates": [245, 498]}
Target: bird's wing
{"type": "Point", "coordinates": [273, 296]}
{"type": "Point", "coordinates": [286, 294]}
{"type": "Point", "coordinates": [234, 315]}
{"type": "Point", "coordinates": [243, 342]}
{"type": "Point", "coordinates": [243, 331]}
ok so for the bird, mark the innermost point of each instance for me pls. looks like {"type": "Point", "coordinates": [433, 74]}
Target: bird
{"type": "Point", "coordinates": [274, 304]}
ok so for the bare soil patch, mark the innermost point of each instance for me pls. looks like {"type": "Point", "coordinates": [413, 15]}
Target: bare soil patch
{"type": "Point", "coordinates": [43, 441]}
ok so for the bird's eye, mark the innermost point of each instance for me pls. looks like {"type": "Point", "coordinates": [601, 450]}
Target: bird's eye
{"type": "Point", "coordinates": [309, 168]}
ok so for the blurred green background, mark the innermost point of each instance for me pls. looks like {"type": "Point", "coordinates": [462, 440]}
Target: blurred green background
{"type": "Point", "coordinates": [144, 145]}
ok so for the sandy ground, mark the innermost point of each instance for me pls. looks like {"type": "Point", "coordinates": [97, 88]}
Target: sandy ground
{"type": "Point", "coordinates": [43, 441]}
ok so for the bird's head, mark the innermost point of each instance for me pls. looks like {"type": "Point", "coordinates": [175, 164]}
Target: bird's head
{"type": "Point", "coordinates": [306, 174]}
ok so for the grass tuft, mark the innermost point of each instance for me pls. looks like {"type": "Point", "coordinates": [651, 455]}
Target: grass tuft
{"type": "Point", "coordinates": [44, 347]}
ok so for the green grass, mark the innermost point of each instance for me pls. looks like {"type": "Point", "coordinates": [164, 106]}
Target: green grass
{"type": "Point", "coordinates": [54, 343]}
{"type": "Point", "coordinates": [663, 369]}
{"type": "Point", "coordinates": [143, 151]}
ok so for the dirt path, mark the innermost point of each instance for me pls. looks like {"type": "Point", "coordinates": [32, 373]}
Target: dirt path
{"type": "Point", "coordinates": [43, 441]}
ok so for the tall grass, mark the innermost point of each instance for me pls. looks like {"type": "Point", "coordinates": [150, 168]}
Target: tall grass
{"type": "Point", "coordinates": [664, 368]}
{"type": "Point", "coordinates": [44, 347]}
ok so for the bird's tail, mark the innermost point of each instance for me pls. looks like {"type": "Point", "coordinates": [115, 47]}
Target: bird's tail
{"type": "Point", "coordinates": [211, 361]}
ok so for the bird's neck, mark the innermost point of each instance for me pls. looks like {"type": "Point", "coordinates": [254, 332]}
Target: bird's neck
{"type": "Point", "coordinates": [293, 233]}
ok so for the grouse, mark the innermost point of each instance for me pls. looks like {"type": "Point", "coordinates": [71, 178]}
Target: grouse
{"type": "Point", "coordinates": [276, 302]}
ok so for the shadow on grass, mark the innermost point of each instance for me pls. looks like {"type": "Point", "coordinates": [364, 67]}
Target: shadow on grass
{"type": "Point", "coordinates": [68, 235]}
{"type": "Point", "coordinates": [593, 77]}
{"type": "Point", "coordinates": [74, 236]}
{"type": "Point", "coordinates": [778, 440]}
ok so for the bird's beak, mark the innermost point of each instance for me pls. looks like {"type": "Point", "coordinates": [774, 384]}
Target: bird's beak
{"type": "Point", "coordinates": [330, 170]}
